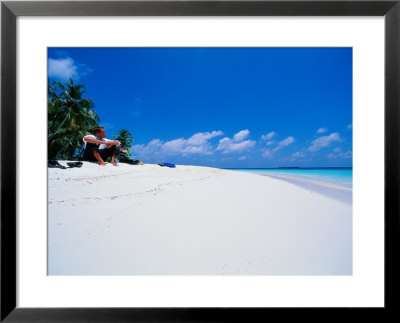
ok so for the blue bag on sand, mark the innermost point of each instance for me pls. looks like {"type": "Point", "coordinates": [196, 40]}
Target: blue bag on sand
{"type": "Point", "coordinates": [167, 164]}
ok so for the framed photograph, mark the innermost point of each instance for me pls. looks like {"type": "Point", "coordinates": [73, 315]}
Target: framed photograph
{"type": "Point", "coordinates": [204, 160]}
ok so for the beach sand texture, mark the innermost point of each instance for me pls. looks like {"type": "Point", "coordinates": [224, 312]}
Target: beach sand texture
{"type": "Point", "coordinates": [189, 220]}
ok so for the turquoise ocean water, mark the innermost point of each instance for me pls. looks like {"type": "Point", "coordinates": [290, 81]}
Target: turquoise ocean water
{"type": "Point", "coordinates": [342, 177]}
{"type": "Point", "coordinates": [336, 183]}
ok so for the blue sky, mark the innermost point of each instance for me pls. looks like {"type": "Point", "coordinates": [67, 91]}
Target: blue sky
{"type": "Point", "coordinates": [220, 107]}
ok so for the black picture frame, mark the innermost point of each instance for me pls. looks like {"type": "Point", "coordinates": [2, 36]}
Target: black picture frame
{"type": "Point", "coordinates": [10, 10]}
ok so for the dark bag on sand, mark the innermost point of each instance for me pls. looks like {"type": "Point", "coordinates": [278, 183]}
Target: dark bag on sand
{"type": "Point", "coordinates": [167, 165]}
{"type": "Point", "coordinates": [55, 164]}
{"type": "Point", "coordinates": [130, 161]}
{"type": "Point", "coordinates": [75, 164]}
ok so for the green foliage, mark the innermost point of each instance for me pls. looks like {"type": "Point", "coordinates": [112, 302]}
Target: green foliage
{"type": "Point", "coordinates": [70, 118]}
{"type": "Point", "coordinates": [125, 138]}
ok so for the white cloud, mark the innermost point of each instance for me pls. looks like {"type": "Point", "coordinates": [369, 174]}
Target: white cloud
{"type": "Point", "coordinates": [63, 68]}
{"type": "Point", "coordinates": [237, 144]}
{"type": "Point", "coordinates": [196, 144]}
{"type": "Point", "coordinates": [242, 158]}
{"type": "Point", "coordinates": [174, 147]}
{"type": "Point", "coordinates": [267, 153]}
{"type": "Point", "coordinates": [285, 142]}
{"type": "Point", "coordinates": [201, 138]}
{"type": "Point", "coordinates": [227, 146]}
{"type": "Point", "coordinates": [268, 136]}
{"type": "Point", "coordinates": [350, 126]}
{"type": "Point", "coordinates": [66, 68]}
{"type": "Point", "coordinates": [241, 135]}
{"type": "Point", "coordinates": [338, 153]}
{"type": "Point", "coordinates": [324, 141]}
{"type": "Point", "coordinates": [152, 148]}
{"type": "Point", "coordinates": [322, 130]}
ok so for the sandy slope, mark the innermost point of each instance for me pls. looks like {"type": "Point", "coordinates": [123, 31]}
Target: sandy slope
{"type": "Point", "coordinates": [152, 220]}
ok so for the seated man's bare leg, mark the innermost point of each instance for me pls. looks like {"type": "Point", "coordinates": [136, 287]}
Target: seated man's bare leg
{"type": "Point", "coordinates": [113, 160]}
{"type": "Point", "coordinates": [98, 157]}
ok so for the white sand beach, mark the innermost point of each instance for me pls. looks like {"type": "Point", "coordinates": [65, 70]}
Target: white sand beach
{"type": "Point", "coordinates": [189, 220]}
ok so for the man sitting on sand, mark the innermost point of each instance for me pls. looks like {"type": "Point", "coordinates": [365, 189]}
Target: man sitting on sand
{"type": "Point", "coordinates": [99, 148]}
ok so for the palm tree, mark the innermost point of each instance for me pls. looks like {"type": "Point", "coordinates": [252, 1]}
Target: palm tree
{"type": "Point", "coordinates": [125, 138]}
{"type": "Point", "coordinates": [70, 116]}
{"type": "Point", "coordinates": [51, 91]}
{"type": "Point", "coordinates": [70, 107]}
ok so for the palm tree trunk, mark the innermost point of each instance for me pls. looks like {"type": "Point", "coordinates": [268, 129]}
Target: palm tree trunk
{"type": "Point", "coordinates": [63, 148]}
{"type": "Point", "coordinates": [59, 127]}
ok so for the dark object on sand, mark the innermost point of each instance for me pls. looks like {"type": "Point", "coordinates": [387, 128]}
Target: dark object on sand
{"type": "Point", "coordinates": [130, 161]}
{"type": "Point", "coordinates": [55, 164]}
{"type": "Point", "coordinates": [167, 165]}
{"type": "Point", "coordinates": [74, 164]}
{"type": "Point", "coordinates": [123, 158]}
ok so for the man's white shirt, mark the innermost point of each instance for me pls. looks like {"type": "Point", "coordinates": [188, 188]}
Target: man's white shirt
{"type": "Point", "coordinates": [102, 146]}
